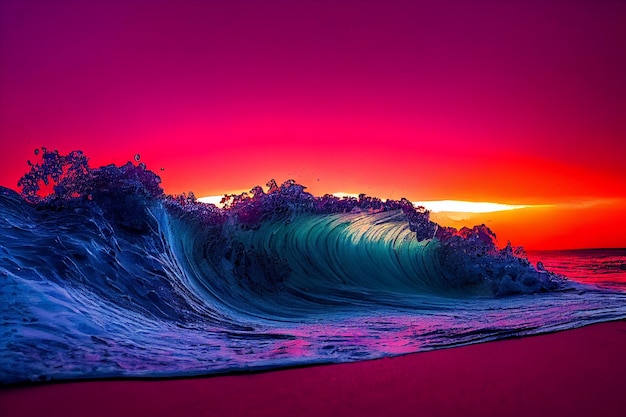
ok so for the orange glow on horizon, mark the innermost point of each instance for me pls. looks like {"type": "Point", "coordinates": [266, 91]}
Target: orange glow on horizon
{"type": "Point", "coordinates": [517, 103]}
{"type": "Point", "coordinates": [573, 225]}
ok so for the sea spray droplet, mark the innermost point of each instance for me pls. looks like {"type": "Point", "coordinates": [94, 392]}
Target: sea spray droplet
{"type": "Point", "coordinates": [162, 169]}
{"type": "Point", "coordinates": [137, 157]}
{"type": "Point", "coordinates": [37, 151]}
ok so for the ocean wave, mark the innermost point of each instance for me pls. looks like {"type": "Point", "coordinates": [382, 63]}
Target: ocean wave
{"type": "Point", "coordinates": [108, 276]}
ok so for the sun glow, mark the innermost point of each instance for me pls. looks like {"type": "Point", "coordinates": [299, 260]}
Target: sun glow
{"type": "Point", "coordinates": [212, 199]}
{"type": "Point", "coordinates": [435, 206]}
{"type": "Point", "coordinates": [457, 206]}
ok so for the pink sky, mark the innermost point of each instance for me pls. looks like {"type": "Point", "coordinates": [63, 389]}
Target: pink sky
{"type": "Point", "coordinates": [515, 102]}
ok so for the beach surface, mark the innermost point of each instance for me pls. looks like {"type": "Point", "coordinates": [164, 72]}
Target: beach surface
{"type": "Point", "coordinates": [570, 373]}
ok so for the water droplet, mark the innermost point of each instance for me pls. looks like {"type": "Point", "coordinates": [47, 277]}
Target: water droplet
{"type": "Point", "coordinates": [137, 157]}
{"type": "Point", "coordinates": [162, 169]}
{"type": "Point", "coordinates": [142, 165]}
{"type": "Point", "coordinates": [37, 151]}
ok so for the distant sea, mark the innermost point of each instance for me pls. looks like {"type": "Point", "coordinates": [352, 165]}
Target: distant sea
{"type": "Point", "coordinates": [602, 267]}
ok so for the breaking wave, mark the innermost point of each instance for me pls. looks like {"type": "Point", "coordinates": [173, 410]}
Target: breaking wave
{"type": "Point", "coordinates": [108, 277]}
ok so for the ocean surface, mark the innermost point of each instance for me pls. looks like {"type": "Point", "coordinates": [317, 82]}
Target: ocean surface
{"type": "Point", "coordinates": [605, 268]}
{"type": "Point", "coordinates": [109, 277]}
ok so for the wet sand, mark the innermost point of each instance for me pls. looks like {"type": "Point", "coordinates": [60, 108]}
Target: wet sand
{"type": "Point", "coordinates": [577, 372]}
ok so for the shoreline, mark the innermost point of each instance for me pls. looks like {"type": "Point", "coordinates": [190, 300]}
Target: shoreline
{"type": "Point", "coordinates": [567, 373]}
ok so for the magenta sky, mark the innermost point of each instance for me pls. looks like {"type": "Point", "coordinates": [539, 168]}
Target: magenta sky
{"type": "Point", "coordinates": [510, 101]}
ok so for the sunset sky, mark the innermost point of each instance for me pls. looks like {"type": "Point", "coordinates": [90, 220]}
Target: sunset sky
{"type": "Point", "coordinates": [515, 102]}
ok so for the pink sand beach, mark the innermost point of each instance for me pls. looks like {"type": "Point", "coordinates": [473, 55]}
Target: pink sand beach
{"type": "Point", "coordinates": [570, 373]}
